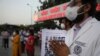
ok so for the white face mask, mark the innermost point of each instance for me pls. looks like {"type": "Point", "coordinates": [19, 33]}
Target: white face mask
{"type": "Point", "coordinates": [14, 33]}
{"type": "Point", "coordinates": [72, 12]}
{"type": "Point", "coordinates": [62, 26]}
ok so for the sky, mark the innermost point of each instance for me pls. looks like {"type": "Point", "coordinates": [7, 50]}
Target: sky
{"type": "Point", "coordinates": [17, 12]}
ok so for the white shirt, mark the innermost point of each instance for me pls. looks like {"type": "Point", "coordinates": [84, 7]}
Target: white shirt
{"type": "Point", "coordinates": [87, 40]}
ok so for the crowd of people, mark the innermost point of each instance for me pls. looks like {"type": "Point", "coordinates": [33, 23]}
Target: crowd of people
{"type": "Point", "coordinates": [22, 41]}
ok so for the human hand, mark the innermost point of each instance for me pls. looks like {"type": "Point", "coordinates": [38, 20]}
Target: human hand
{"type": "Point", "coordinates": [59, 48]}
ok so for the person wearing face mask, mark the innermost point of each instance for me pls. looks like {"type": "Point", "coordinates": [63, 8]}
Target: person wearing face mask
{"type": "Point", "coordinates": [84, 36]}
{"type": "Point", "coordinates": [29, 46]}
{"type": "Point", "coordinates": [66, 24]}
{"type": "Point", "coordinates": [16, 45]}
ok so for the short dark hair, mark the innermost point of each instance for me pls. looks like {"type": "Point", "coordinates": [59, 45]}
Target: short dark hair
{"type": "Point", "coordinates": [93, 4]}
{"type": "Point", "coordinates": [31, 31]}
{"type": "Point", "coordinates": [17, 31]}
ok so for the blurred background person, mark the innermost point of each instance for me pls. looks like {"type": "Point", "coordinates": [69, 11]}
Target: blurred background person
{"type": "Point", "coordinates": [5, 38]}
{"type": "Point", "coordinates": [30, 48]}
{"type": "Point", "coordinates": [23, 34]}
{"type": "Point", "coordinates": [16, 46]}
{"type": "Point", "coordinates": [22, 41]}
{"type": "Point", "coordinates": [66, 24]}
{"type": "Point", "coordinates": [40, 36]}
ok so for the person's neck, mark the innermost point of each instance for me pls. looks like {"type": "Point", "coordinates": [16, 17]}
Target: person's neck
{"type": "Point", "coordinates": [85, 17]}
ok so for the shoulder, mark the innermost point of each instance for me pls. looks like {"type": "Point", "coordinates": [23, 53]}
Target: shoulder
{"type": "Point", "coordinates": [96, 24]}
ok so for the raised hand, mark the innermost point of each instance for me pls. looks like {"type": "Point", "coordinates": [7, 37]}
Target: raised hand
{"type": "Point", "coordinates": [59, 48]}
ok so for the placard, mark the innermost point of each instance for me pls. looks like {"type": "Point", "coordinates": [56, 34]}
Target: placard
{"type": "Point", "coordinates": [48, 35]}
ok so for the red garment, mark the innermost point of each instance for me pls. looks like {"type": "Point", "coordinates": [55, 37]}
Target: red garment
{"type": "Point", "coordinates": [28, 46]}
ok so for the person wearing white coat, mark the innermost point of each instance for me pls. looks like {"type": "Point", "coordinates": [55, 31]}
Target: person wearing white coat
{"type": "Point", "coordinates": [87, 41]}
{"type": "Point", "coordinates": [84, 37]}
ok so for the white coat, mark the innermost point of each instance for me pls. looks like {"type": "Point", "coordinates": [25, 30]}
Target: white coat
{"type": "Point", "coordinates": [87, 41]}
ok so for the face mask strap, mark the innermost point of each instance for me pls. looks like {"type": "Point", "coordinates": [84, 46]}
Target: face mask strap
{"type": "Point", "coordinates": [81, 7]}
